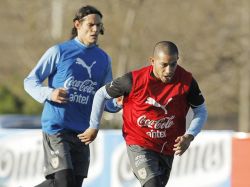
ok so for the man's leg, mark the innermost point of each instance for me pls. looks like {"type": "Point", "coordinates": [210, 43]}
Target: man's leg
{"type": "Point", "coordinates": [158, 181]}
{"type": "Point", "coordinates": [79, 180]}
{"type": "Point", "coordinates": [149, 166]}
{"type": "Point", "coordinates": [64, 178]}
{"type": "Point", "coordinates": [48, 182]}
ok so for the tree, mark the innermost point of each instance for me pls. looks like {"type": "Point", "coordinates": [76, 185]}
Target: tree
{"type": "Point", "coordinates": [9, 103]}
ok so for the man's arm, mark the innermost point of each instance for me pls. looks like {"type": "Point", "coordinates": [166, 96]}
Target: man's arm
{"type": "Point", "coordinates": [198, 121]}
{"type": "Point", "coordinates": [98, 107]}
{"type": "Point", "coordinates": [111, 105]}
{"type": "Point", "coordinates": [33, 83]}
{"type": "Point", "coordinates": [90, 134]}
{"type": "Point", "coordinates": [118, 87]}
{"type": "Point", "coordinates": [197, 103]}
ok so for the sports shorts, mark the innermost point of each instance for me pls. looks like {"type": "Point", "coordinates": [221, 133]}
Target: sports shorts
{"type": "Point", "coordinates": [147, 163]}
{"type": "Point", "coordinates": [64, 150]}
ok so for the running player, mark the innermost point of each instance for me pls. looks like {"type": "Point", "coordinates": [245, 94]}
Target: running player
{"type": "Point", "coordinates": [75, 70]}
{"type": "Point", "coordinates": [156, 101]}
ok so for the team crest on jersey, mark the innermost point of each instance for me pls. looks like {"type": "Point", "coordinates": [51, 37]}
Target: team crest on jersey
{"type": "Point", "coordinates": [142, 173]}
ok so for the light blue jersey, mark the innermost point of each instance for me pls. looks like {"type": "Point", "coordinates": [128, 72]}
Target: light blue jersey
{"type": "Point", "coordinates": [79, 69]}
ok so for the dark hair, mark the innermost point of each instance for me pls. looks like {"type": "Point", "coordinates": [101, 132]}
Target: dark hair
{"type": "Point", "coordinates": [167, 47]}
{"type": "Point", "coordinates": [81, 13]}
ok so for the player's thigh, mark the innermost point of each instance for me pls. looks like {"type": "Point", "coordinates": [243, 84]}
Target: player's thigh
{"type": "Point", "coordinates": [80, 155]}
{"type": "Point", "coordinates": [65, 178]}
{"type": "Point", "coordinates": [57, 154]}
{"type": "Point", "coordinates": [166, 163]}
{"type": "Point", "coordinates": [145, 163]}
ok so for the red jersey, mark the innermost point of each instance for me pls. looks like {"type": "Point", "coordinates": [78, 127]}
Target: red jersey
{"type": "Point", "coordinates": [154, 112]}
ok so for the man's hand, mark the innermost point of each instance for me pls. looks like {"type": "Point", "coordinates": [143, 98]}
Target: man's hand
{"type": "Point", "coordinates": [59, 95]}
{"type": "Point", "coordinates": [88, 136]}
{"type": "Point", "coordinates": [119, 100]}
{"type": "Point", "coordinates": [182, 143]}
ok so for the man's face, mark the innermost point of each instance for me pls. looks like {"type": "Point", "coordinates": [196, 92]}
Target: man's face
{"type": "Point", "coordinates": [89, 28]}
{"type": "Point", "coordinates": [164, 66]}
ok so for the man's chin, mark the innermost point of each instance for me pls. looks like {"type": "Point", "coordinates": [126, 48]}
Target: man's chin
{"type": "Point", "coordinates": [166, 80]}
{"type": "Point", "coordinates": [92, 42]}
{"type": "Point", "coordinates": [94, 39]}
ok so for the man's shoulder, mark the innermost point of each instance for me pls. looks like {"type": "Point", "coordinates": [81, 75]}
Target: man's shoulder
{"type": "Point", "coordinates": [141, 75]}
{"type": "Point", "coordinates": [65, 45]}
{"type": "Point", "coordinates": [101, 51]}
{"type": "Point", "coordinates": [66, 42]}
{"type": "Point", "coordinates": [182, 69]}
{"type": "Point", "coordinates": [183, 75]}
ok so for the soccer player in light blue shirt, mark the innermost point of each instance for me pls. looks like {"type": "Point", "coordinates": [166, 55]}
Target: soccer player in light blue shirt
{"type": "Point", "coordinates": [75, 70]}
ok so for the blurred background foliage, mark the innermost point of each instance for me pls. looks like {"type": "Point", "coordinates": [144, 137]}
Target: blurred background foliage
{"type": "Point", "coordinates": [213, 38]}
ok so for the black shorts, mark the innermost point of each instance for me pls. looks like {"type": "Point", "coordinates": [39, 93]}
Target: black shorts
{"type": "Point", "coordinates": [147, 163]}
{"type": "Point", "coordinates": [65, 151]}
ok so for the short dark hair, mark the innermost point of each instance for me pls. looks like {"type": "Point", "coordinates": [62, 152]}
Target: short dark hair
{"type": "Point", "coordinates": [81, 13]}
{"type": "Point", "coordinates": [167, 47]}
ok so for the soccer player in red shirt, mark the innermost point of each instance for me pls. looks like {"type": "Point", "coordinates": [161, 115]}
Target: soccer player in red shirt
{"type": "Point", "coordinates": [155, 104]}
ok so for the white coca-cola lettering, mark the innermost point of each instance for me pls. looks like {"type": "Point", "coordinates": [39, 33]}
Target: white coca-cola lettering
{"type": "Point", "coordinates": [163, 123]}
{"type": "Point", "coordinates": [87, 86]}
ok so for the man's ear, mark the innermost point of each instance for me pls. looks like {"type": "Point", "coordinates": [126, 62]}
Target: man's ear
{"type": "Point", "coordinates": [151, 60]}
{"type": "Point", "coordinates": [102, 31]}
{"type": "Point", "coordinates": [77, 24]}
